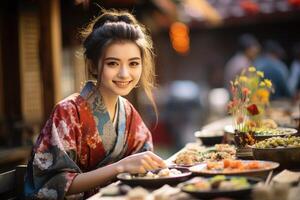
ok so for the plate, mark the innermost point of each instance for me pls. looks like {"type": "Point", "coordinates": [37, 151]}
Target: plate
{"type": "Point", "coordinates": [261, 136]}
{"type": "Point", "coordinates": [184, 165]}
{"type": "Point", "coordinates": [282, 131]}
{"type": "Point", "coordinates": [214, 193]}
{"type": "Point", "coordinates": [201, 169]}
{"type": "Point", "coordinates": [155, 182]}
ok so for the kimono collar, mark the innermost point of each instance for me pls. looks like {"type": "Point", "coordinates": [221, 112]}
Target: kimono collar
{"type": "Point", "coordinates": [105, 124]}
{"type": "Point", "coordinates": [88, 89]}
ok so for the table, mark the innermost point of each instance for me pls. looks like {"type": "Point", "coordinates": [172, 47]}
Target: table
{"type": "Point", "coordinates": [295, 191]}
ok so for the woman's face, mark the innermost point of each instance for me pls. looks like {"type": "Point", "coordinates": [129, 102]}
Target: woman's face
{"type": "Point", "coordinates": [122, 69]}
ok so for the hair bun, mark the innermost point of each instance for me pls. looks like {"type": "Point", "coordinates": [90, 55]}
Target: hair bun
{"type": "Point", "coordinates": [112, 17]}
{"type": "Point", "coordinates": [126, 19]}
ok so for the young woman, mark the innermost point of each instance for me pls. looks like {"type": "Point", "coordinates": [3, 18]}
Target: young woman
{"type": "Point", "coordinates": [92, 136]}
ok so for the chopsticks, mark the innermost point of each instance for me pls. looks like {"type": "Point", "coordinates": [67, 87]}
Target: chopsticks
{"type": "Point", "coordinates": [269, 178]}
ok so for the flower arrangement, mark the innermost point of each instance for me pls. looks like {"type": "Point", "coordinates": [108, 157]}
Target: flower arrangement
{"type": "Point", "coordinates": [250, 96]}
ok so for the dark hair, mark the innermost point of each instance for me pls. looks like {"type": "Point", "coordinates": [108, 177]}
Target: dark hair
{"type": "Point", "coordinates": [246, 41]}
{"type": "Point", "coordinates": [117, 26]}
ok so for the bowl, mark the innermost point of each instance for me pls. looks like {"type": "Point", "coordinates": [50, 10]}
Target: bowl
{"type": "Point", "coordinates": [212, 193]}
{"type": "Point", "coordinates": [288, 157]}
{"type": "Point", "coordinates": [210, 137]}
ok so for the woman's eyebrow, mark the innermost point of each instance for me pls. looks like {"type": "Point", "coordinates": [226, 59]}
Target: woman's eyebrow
{"type": "Point", "coordinates": [117, 59]}
{"type": "Point", "coordinates": [111, 58]}
{"type": "Point", "coordinates": [135, 58]}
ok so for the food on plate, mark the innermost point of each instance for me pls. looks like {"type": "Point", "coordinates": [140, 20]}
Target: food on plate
{"type": "Point", "coordinates": [225, 148]}
{"type": "Point", "coordinates": [166, 192]}
{"type": "Point", "coordinates": [279, 142]}
{"type": "Point", "coordinates": [137, 193]}
{"type": "Point", "coordinates": [115, 190]}
{"type": "Point", "coordinates": [234, 165]}
{"type": "Point", "coordinates": [268, 123]}
{"type": "Point", "coordinates": [274, 131]}
{"type": "Point", "coordinates": [188, 157]}
{"type": "Point", "coordinates": [193, 156]}
{"type": "Point", "coordinates": [219, 182]}
{"type": "Point", "coordinates": [228, 166]}
{"type": "Point", "coordinates": [166, 172]}
{"type": "Point", "coordinates": [156, 178]}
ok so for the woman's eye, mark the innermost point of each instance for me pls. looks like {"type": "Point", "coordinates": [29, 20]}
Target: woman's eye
{"type": "Point", "coordinates": [134, 64]}
{"type": "Point", "coordinates": [112, 64]}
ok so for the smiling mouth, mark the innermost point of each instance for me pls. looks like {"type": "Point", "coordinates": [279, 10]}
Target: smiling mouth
{"type": "Point", "coordinates": [122, 84]}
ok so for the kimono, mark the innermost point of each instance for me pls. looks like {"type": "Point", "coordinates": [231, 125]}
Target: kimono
{"type": "Point", "coordinates": [71, 143]}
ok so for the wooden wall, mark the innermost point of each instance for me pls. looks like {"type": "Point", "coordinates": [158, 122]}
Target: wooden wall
{"type": "Point", "coordinates": [50, 52]}
{"type": "Point", "coordinates": [30, 66]}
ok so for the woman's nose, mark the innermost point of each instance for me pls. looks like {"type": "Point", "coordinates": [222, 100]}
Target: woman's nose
{"type": "Point", "coordinates": [123, 72]}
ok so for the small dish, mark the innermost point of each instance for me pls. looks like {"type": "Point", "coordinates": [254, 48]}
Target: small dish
{"type": "Point", "coordinates": [131, 180]}
{"type": "Point", "coordinates": [191, 188]}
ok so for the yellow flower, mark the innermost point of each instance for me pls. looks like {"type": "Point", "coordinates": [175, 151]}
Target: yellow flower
{"type": "Point", "coordinates": [261, 96]}
{"type": "Point", "coordinates": [243, 78]}
{"type": "Point", "coordinates": [268, 83]}
{"type": "Point", "coordinates": [262, 84]}
{"type": "Point", "coordinates": [248, 89]}
{"type": "Point", "coordinates": [251, 69]}
{"type": "Point", "coordinates": [261, 74]}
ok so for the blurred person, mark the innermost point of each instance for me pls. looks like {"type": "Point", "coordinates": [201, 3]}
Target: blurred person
{"type": "Point", "coordinates": [248, 50]}
{"type": "Point", "coordinates": [271, 64]}
{"type": "Point", "coordinates": [92, 136]}
{"type": "Point", "coordinates": [294, 78]}
{"type": "Point", "coordinates": [183, 111]}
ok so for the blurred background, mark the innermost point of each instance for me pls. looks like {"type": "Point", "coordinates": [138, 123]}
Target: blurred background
{"type": "Point", "coordinates": [195, 43]}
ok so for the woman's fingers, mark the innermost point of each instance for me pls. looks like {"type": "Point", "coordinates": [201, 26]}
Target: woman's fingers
{"type": "Point", "coordinates": [161, 163]}
{"type": "Point", "coordinates": [142, 170]}
{"type": "Point", "coordinates": [147, 166]}
{"type": "Point", "coordinates": [143, 162]}
{"type": "Point", "coordinates": [151, 162]}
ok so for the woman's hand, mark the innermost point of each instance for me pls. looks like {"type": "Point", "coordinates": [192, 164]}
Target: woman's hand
{"type": "Point", "coordinates": [140, 163]}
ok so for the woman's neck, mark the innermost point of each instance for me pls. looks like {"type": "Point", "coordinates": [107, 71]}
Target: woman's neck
{"type": "Point", "coordinates": [110, 102]}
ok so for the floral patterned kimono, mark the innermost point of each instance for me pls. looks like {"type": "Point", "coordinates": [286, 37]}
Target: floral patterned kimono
{"type": "Point", "coordinates": [74, 140]}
